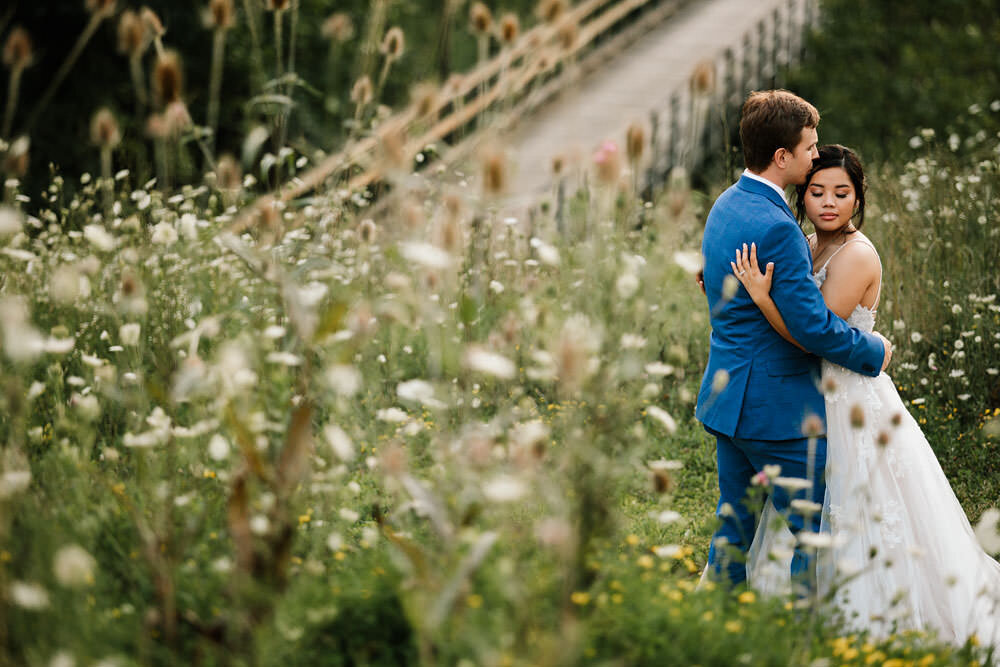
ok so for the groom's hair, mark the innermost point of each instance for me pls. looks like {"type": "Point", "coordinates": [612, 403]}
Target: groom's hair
{"type": "Point", "coordinates": [773, 119]}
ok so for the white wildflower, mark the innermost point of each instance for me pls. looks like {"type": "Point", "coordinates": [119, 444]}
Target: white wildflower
{"type": "Point", "coordinates": [815, 540]}
{"type": "Point", "coordinates": [793, 484]}
{"type": "Point", "coordinates": [662, 464]}
{"type": "Point", "coordinates": [689, 260]}
{"type": "Point", "coordinates": [496, 286]}
{"type": "Point", "coordinates": [74, 566]}
{"type": "Point", "coordinates": [11, 221]}
{"type": "Point", "coordinates": [340, 442]}
{"type": "Point", "coordinates": [14, 481]}
{"type": "Point", "coordinates": [128, 334]}
{"type": "Point", "coordinates": [662, 416]}
{"type": "Point", "coordinates": [720, 380]}
{"type": "Point", "coordinates": [391, 415]}
{"type": "Point", "coordinates": [164, 233]}
{"type": "Point", "coordinates": [986, 531]}
{"type": "Point", "coordinates": [547, 254]}
{"type": "Point", "coordinates": [418, 391]}
{"type": "Point", "coordinates": [632, 342]}
{"type": "Point", "coordinates": [668, 516]}
{"type": "Point", "coordinates": [478, 358]}
{"type": "Point", "coordinates": [504, 488]}
{"type": "Point", "coordinates": [218, 447]}
{"type": "Point", "coordinates": [660, 369]}
{"type": "Point", "coordinates": [916, 337]}
{"type": "Point", "coordinates": [527, 434]}
{"type": "Point", "coordinates": [426, 255]}
{"type": "Point", "coordinates": [29, 596]}
{"type": "Point", "coordinates": [99, 237]}
{"type": "Point", "coordinates": [668, 550]}
{"type": "Point", "coordinates": [284, 358]}
{"type": "Point", "coordinates": [348, 515]}
{"type": "Point", "coordinates": [343, 379]}
{"type": "Point", "coordinates": [259, 524]}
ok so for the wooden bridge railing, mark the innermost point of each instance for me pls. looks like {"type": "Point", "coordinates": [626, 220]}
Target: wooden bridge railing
{"type": "Point", "coordinates": [518, 76]}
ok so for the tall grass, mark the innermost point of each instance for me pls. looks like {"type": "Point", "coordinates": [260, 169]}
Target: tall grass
{"type": "Point", "coordinates": [417, 434]}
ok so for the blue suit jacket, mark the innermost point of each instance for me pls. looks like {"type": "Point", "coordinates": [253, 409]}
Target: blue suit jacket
{"type": "Point", "coordinates": [772, 385]}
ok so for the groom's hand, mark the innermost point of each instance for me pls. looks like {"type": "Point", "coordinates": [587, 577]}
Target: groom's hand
{"type": "Point", "coordinates": [888, 350]}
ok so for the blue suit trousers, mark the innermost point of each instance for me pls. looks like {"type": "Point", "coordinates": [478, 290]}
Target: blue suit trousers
{"type": "Point", "coordinates": [739, 460]}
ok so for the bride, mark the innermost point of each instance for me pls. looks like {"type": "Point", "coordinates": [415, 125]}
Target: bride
{"type": "Point", "coordinates": [900, 553]}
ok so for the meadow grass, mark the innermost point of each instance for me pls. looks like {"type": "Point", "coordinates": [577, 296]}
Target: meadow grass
{"type": "Point", "coordinates": [419, 432]}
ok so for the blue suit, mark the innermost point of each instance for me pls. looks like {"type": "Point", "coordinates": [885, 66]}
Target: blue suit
{"type": "Point", "coordinates": [772, 385]}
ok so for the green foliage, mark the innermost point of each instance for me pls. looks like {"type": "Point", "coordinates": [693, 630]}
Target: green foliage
{"type": "Point", "coordinates": [877, 71]}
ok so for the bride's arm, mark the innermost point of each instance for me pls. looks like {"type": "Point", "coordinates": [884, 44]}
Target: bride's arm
{"type": "Point", "coordinates": [758, 285]}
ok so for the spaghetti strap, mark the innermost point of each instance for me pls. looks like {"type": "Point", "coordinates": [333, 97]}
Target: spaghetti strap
{"type": "Point", "coordinates": [878, 293]}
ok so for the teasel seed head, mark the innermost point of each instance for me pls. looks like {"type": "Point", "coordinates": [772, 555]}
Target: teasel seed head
{"type": "Point", "coordinates": [812, 426]}
{"type": "Point", "coordinates": [480, 19]}
{"type": "Point", "coordinates": [221, 14]}
{"type": "Point", "coordinates": [857, 416]}
{"type": "Point", "coordinates": [168, 77]}
{"type": "Point", "coordinates": [607, 163]}
{"type": "Point", "coordinates": [152, 22]}
{"type": "Point", "coordinates": [17, 50]}
{"type": "Point", "coordinates": [132, 39]}
{"type": "Point", "coordinates": [177, 118]}
{"type": "Point", "coordinates": [276, 5]}
{"type": "Point", "coordinates": [883, 439]}
{"type": "Point", "coordinates": [102, 8]}
{"type": "Point", "coordinates": [393, 44]}
{"type": "Point", "coordinates": [16, 160]}
{"type": "Point", "coordinates": [897, 418]}
{"type": "Point", "coordinates": [703, 78]}
{"type": "Point", "coordinates": [104, 130]}
{"type": "Point", "coordinates": [228, 175]}
{"type": "Point", "coordinates": [338, 27]}
{"type": "Point", "coordinates": [558, 165]}
{"type": "Point", "coordinates": [635, 142]}
{"type": "Point", "coordinates": [550, 11]}
{"type": "Point", "coordinates": [362, 91]}
{"type": "Point", "coordinates": [510, 28]}
{"type": "Point", "coordinates": [367, 231]}
{"type": "Point", "coordinates": [567, 35]}
{"type": "Point", "coordinates": [425, 98]}
{"type": "Point", "coordinates": [494, 171]}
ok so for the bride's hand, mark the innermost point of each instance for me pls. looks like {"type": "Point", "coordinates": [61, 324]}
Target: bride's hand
{"type": "Point", "coordinates": [747, 271]}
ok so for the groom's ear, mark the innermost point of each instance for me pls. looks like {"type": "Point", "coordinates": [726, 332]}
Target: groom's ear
{"type": "Point", "coordinates": [780, 157]}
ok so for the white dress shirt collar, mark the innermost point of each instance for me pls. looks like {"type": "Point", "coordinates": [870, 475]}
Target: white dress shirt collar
{"type": "Point", "coordinates": [750, 174]}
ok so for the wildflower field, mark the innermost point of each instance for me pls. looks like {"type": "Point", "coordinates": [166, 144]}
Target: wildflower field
{"type": "Point", "coordinates": [413, 430]}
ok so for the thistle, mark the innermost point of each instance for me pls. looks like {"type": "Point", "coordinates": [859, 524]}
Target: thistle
{"type": "Point", "coordinates": [392, 48]}
{"type": "Point", "coordinates": [154, 27]}
{"type": "Point", "coordinates": [17, 56]}
{"type": "Point", "coordinates": [133, 39]}
{"type": "Point", "coordinates": [551, 11]}
{"type": "Point", "coordinates": [106, 135]}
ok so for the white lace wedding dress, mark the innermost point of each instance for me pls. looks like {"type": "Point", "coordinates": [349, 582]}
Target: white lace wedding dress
{"type": "Point", "coordinates": [902, 555]}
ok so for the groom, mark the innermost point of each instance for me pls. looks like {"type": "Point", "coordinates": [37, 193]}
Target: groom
{"type": "Point", "coordinates": [759, 391]}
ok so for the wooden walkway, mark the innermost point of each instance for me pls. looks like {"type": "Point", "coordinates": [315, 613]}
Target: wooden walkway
{"type": "Point", "coordinates": [627, 89]}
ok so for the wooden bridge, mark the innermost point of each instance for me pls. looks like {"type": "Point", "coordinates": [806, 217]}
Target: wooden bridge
{"type": "Point", "coordinates": [679, 68]}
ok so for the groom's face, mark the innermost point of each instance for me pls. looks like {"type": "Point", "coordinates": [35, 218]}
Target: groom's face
{"type": "Point", "coordinates": [799, 162]}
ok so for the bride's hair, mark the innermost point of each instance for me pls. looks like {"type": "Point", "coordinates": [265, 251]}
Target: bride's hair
{"type": "Point", "coordinates": [830, 156]}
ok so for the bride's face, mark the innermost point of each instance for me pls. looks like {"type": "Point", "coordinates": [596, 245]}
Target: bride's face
{"type": "Point", "coordinates": [830, 199]}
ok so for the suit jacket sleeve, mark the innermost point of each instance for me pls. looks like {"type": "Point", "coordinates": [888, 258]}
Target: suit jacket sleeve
{"type": "Point", "coordinates": [811, 323]}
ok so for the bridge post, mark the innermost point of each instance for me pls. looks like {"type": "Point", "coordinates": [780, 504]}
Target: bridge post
{"type": "Point", "coordinates": [652, 171]}
{"type": "Point", "coordinates": [777, 55]}
{"type": "Point", "coordinates": [746, 82]}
